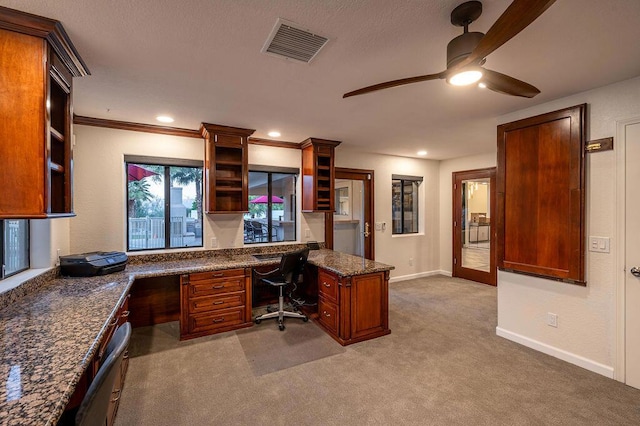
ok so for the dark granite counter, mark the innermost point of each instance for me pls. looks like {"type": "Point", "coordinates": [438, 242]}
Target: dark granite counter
{"type": "Point", "coordinates": [52, 326]}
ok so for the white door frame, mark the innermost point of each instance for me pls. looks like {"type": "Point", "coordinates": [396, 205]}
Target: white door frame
{"type": "Point", "coordinates": [621, 140]}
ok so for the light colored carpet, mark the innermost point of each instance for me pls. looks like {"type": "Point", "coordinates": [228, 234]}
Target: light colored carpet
{"type": "Point", "coordinates": [442, 364]}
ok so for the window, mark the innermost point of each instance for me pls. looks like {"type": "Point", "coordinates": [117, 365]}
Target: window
{"type": "Point", "coordinates": [14, 251]}
{"type": "Point", "coordinates": [272, 205]}
{"type": "Point", "coordinates": [164, 203]}
{"type": "Point", "coordinates": [404, 205]}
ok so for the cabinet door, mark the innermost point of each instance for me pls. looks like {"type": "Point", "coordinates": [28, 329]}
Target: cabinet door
{"type": "Point", "coordinates": [369, 305]}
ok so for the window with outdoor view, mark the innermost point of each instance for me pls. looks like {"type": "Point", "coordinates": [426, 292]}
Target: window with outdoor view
{"type": "Point", "coordinates": [272, 206]}
{"type": "Point", "coordinates": [164, 203]}
{"type": "Point", "coordinates": [404, 205]}
{"type": "Point", "coordinates": [14, 251]}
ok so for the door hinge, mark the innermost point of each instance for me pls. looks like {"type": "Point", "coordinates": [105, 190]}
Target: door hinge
{"type": "Point", "coordinates": [455, 261]}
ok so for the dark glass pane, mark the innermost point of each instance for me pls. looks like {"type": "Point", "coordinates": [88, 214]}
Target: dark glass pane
{"type": "Point", "coordinates": [15, 246]}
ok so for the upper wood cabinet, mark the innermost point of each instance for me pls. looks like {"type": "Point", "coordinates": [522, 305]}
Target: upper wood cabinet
{"type": "Point", "coordinates": [226, 169]}
{"type": "Point", "coordinates": [37, 64]}
{"type": "Point", "coordinates": [318, 175]}
{"type": "Point", "coordinates": [540, 194]}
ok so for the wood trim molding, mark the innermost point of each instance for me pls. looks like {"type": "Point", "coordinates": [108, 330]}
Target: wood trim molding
{"type": "Point", "coordinates": [49, 29]}
{"type": "Point", "coordinates": [277, 144]}
{"type": "Point", "coordinates": [135, 127]}
{"type": "Point", "coordinates": [310, 141]}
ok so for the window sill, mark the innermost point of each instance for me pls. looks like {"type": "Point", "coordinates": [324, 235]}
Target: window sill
{"type": "Point", "coordinates": [417, 234]}
{"type": "Point", "coordinates": [16, 280]}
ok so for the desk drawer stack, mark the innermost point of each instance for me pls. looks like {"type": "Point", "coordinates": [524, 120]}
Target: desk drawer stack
{"type": "Point", "coordinates": [213, 302]}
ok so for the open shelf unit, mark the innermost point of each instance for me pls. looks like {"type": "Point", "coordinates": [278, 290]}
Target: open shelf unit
{"type": "Point", "coordinates": [318, 175]}
{"type": "Point", "coordinates": [226, 169]}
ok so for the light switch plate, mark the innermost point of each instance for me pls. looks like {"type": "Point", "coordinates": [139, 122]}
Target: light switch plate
{"type": "Point", "coordinates": [599, 244]}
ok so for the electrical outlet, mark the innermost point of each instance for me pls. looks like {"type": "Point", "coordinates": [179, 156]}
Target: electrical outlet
{"type": "Point", "coordinates": [307, 233]}
{"type": "Point", "coordinates": [214, 242]}
{"type": "Point", "coordinates": [552, 319]}
{"type": "Point", "coordinates": [411, 261]}
{"type": "Point", "coordinates": [58, 257]}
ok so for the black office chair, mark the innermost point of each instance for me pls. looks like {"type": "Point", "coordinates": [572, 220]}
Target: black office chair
{"type": "Point", "coordinates": [93, 410]}
{"type": "Point", "coordinates": [291, 266]}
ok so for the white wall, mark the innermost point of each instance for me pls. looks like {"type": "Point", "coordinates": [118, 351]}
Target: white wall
{"type": "Point", "coordinates": [586, 315]}
{"type": "Point", "coordinates": [397, 250]}
{"type": "Point", "coordinates": [447, 167]}
{"type": "Point", "coordinates": [99, 181]}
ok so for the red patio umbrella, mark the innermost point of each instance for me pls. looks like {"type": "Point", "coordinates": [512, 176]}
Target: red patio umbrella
{"type": "Point", "coordinates": [135, 172]}
{"type": "Point", "coordinates": [263, 199]}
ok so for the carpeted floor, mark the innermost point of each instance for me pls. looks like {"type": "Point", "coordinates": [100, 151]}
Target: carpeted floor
{"type": "Point", "coordinates": [442, 364]}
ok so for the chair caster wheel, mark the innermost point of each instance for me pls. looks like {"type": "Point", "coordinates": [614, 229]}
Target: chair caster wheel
{"type": "Point", "coordinates": [257, 321]}
{"type": "Point", "coordinates": [305, 319]}
{"type": "Point", "coordinates": [281, 327]}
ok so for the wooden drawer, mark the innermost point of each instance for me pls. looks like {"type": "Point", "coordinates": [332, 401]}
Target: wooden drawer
{"type": "Point", "coordinates": [227, 273]}
{"type": "Point", "coordinates": [215, 303]}
{"type": "Point", "coordinates": [328, 315]}
{"type": "Point", "coordinates": [218, 286]}
{"type": "Point", "coordinates": [216, 320]}
{"type": "Point", "coordinates": [327, 286]}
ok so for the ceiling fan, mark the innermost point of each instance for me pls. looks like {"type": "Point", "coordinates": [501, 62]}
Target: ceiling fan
{"type": "Point", "coordinates": [466, 53]}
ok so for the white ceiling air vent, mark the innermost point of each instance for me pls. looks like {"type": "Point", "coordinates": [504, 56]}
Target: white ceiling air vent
{"type": "Point", "coordinates": [289, 40]}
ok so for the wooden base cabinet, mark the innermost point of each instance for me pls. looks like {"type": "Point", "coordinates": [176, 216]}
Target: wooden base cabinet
{"type": "Point", "coordinates": [213, 302]}
{"type": "Point", "coordinates": [353, 309]}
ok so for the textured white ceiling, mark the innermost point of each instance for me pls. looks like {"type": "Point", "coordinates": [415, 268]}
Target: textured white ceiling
{"type": "Point", "coordinates": [200, 60]}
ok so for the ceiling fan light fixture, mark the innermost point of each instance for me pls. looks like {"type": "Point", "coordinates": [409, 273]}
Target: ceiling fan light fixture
{"type": "Point", "coordinates": [465, 77]}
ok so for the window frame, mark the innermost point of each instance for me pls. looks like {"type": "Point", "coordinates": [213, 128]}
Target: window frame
{"type": "Point", "coordinates": [405, 178]}
{"type": "Point", "coordinates": [27, 242]}
{"type": "Point", "coordinates": [167, 163]}
{"type": "Point", "coordinates": [271, 170]}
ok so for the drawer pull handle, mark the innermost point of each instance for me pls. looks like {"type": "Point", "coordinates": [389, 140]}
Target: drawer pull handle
{"type": "Point", "coordinates": [324, 283]}
{"type": "Point", "coordinates": [326, 314]}
{"type": "Point", "coordinates": [218, 275]}
{"type": "Point", "coordinates": [114, 322]}
{"type": "Point", "coordinates": [126, 354]}
{"type": "Point", "coordinates": [125, 314]}
{"type": "Point", "coordinates": [218, 320]}
{"type": "Point", "coordinates": [117, 391]}
{"type": "Point", "coordinates": [218, 303]}
{"type": "Point", "coordinates": [217, 287]}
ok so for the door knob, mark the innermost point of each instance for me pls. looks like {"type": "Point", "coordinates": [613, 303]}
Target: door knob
{"type": "Point", "coordinates": [635, 271]}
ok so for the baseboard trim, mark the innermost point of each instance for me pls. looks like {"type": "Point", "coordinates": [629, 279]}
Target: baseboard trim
{"type": "Point", "coordinates": [569, 357]}
{"type": "Point", "coordinates": [418, 275]}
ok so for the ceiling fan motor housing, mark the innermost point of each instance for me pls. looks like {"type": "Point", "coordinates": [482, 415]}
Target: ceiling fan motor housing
{"type": "Point", "coordinates": [461, 47]}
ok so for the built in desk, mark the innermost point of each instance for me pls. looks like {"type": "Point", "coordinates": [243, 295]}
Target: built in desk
{"type": "Point", "coordinates": [53, 327]}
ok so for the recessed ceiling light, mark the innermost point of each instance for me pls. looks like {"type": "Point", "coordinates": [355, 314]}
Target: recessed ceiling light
{"type": "Point", "coordinates": [274, 134]}
{"type": "Point", "coordinates": [422, 152]}
{"type": "Point", "coordinates": [164, 119]}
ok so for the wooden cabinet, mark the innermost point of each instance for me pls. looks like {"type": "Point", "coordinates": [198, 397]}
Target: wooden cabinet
{"type": "Point", "coordinates": [318, 175]}
{"type": "Point", "coordinates": [36, 106]}
{"type": "Point", "coordinates": [226, 170]}
{"type": "Point", "coordinates": [353, 309]}
{"type": "Point", "coordinates": [213, 302]}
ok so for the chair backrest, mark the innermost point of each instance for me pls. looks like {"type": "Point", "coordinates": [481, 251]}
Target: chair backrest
{"type": "Point", "coordinates": [292, 263]}
{"type": "Point", "coordinates": [93, 410]}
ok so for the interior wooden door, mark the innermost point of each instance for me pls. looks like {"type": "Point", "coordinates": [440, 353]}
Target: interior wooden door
{"type": "Point", "coordinates": [473, 225]}
{"type": "Point", "coordinates": [360, 184]}
{"type": "Point", "coordinates": [632, 257]}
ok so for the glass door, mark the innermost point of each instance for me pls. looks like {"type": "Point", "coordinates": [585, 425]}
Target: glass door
{"type": "Point", "coordinates": [474, 251]}
{"type": "Point", "coordinates": [348, 219]}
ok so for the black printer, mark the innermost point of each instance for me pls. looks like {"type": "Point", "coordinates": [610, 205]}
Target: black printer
{"type": "Point", "coordinates": [94, 263]}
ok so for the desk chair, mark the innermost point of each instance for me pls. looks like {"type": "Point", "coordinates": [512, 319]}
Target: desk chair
{"type": "Point", "coordinates": [93, 410]}
{"type": "Point", "coordinates": [291, 266]}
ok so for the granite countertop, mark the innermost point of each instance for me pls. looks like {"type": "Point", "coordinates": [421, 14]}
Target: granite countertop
{"type": "Point", "coordinates": [50, 333]}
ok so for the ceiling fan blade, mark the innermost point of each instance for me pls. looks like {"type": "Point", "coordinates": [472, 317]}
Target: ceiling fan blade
{"type": "Point", "coordinates": [516, 18]}
{"type": "Point", "coordinates": [395, 83]}
{"type": "Point", "coordinates": [502, 83]}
